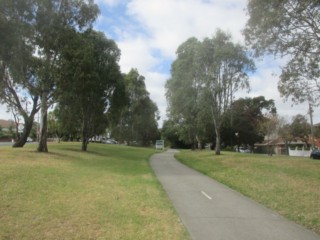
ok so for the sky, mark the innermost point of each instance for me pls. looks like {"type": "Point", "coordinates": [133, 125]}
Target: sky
{"type": "Point", "coordinates": [148, 33]}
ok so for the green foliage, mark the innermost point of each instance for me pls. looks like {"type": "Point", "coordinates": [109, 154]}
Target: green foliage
{"type": "Point", "coordinates": [172, 132]}
{"type": "Point", "coordinates": [18, 88]}
{"type": "Point", "coordinates": [242, 125]}
{"type": "Point", "coordinates": [138, 121]}
{"type": "Point", "coordinates": [205, 77]}
{"type": "Point", "coordinates": [289, 28]}
{"type": "Point", "coordinates": [300, 128]}
{"type": "Point", "coordinates": [33, 33]}
{"type": "Point", "coordinates": [91, 73]}
{"type": "Point", "coordinates": [182, 92]}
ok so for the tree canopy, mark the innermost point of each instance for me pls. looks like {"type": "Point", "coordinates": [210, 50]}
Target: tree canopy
{"type": "Point", "coordinates": [242, 125]}
{"type": "Point", "coordinates": [289, 28]}
{"type": "Point", "coordinates": [138, 120]}
{"type": "Point", "coordinates": [91, 75]}
{"type": "Point", "coordinates": [34, 31]}
{"type": "Point", "coordinates": [205, 77]}
{"type": "Point", "coordinates": [18, 65]}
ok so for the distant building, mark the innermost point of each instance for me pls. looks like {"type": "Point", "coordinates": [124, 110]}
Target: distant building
{"type": "Point", "coordinates": [277, 145]}
{"type": "Point", "coordinates": [6, 124]}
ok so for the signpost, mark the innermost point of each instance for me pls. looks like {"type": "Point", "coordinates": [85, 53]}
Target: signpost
{"type": "Point", "coordinates": [160, 145]}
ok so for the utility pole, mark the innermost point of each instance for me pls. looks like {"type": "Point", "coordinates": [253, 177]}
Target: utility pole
{"type": "Point", "coordinates": [311, 124]}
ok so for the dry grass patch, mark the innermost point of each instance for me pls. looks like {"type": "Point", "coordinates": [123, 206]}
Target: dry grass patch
{"type": "Point", "coordinates": [109, 192]}
{"type": "Point", "coordinates": [289, 185]}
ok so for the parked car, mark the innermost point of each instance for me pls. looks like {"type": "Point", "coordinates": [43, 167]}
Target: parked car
{"type": "Point", "coordinates": [315, 154]}
{"type": "Point", "coordinates": [244, 150]}
{"type": "Point", "coordinates": [111, 141]}
{"type": "Point", "coordinates": [29, 139]}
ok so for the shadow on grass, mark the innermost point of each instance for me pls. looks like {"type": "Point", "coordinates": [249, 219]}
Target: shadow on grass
{"type": "Point", "coordinates": [116, 159]}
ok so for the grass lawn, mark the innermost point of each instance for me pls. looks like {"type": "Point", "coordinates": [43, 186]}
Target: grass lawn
{"type": "Point", "coordinates": [288, 185]}
{"type": "Point", "coordinates": [109, 192]}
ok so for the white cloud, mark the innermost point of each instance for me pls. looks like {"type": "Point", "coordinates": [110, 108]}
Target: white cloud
{"type": "Point", "coordinates": [155, 83]}
{"type": "Point", "coordinates": [265, 83]}
{"type": "Point", "coordinates": [137, 53]}
{"type": "Point", "coordinates": [108, 2]}
{"type": "Point", "coordinates": [149, 32]}
{"type": "Point", "coordinates": [3, 113]}
{"type": "Point", "coordinates": [164, 25]}
{"type": "Point", "coordinates": [169, 23]}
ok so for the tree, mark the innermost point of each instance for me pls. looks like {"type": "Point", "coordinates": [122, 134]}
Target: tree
{"type": "Point", "coordinates": [182, 91]}
{"type": "Point", "coordinates": [300, 128]}
{"type": "Point", "coordinates": [289, 28]}
{"type": "Point", "coordinates": [41, 32]}
{"type": "Point", "coordinates": [91, 73]}
{"type": "Point", "coordinates": [243, 121]}
{"type": "Point", "coordinates": [55, 127]}
{"type": "Point", "coordinates": [270, 128]}
{"type": "Point", "coordinates": [221, 71]}
{"type": "Point", "coordinates": [138, 120]}
{"type": "Point", "coordinates": [18, 88]}
{"type": "Point", "coordinates": [205, 77]}
{"type": "Point", "coordinates": [53, 20]}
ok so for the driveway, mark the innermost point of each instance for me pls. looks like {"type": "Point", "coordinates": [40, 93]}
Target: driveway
{"type": "Point", "coordinates": [6, 144]}
{"type": "Point", "coordinates": [210, 210]}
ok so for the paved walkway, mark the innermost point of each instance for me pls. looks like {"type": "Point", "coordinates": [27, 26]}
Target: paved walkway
{"type": "Point", "coordinates": [211, 210]}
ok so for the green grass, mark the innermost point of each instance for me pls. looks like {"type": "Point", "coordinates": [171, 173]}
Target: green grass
{"type": "Point", "coordinates": [288, 185]}
{"type": "Point", "coordinates": [109, 192]}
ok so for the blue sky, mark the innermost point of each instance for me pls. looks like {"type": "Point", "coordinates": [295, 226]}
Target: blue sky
{"type": "Point", "coordinates": [148, 32]}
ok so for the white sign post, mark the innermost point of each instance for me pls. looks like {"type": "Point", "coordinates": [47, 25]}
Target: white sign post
{"type": "Point", "coordinates": [160, 145]}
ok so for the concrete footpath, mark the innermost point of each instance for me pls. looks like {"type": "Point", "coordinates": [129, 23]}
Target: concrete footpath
{"type": "Point", "coordinates": [210, 210]}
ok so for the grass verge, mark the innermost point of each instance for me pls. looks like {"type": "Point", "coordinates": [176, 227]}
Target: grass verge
{"type": "Point", "coordinates": [288, 185]}
{"type": "Point", "coordinates": [109, 192]}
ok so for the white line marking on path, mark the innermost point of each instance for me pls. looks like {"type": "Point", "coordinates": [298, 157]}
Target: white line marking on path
{"type": "Point", "coordinates": [206, 195]}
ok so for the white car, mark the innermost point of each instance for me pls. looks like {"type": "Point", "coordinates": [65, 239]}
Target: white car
{"type": "Point", "coordinates": [244, 150]}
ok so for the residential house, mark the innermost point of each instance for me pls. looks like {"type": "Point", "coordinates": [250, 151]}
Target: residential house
{"type": "Point", "coordinates": [277, 145]}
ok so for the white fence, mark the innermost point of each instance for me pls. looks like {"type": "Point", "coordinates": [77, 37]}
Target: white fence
{"type": "Point", "coordinates": [299, 153]}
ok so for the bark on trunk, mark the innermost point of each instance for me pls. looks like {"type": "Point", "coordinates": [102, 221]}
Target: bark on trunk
{"type": "Point", "coordinates": [84, 144]}
{"type": "Point", "coordinates": [85, 139]}
{"type": "Point", "coordinates": [218, 142]}
{"type": "Point", "coordinates": [43, 147]}
{"type": "Point", "coordinates": [28, 123]}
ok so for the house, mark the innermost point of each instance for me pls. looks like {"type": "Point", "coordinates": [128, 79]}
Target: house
{"type": "Point", "coordinates": [279, 146]}
{"type": "Point", "coordinates": [6, 124]}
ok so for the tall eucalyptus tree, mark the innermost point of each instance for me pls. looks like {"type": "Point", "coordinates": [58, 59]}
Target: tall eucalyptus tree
{"type": "Point", "coordinates": [182, 92]}
{"type": "Point", "coordinates": [18, 65]}
{"type": "Point", "coordinates": [138, 119]}
{"type": "Point", "coordinates": [42, 25]}
{"type": "Point", "coordinates": [205, 77]}
{"type": "Point", "coordinates": [91, 73]}
{"type": "Point", "coordinates": [221, 70]}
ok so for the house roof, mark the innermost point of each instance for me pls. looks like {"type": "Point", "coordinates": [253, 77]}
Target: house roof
{"type": "Point", "coordinates": [6, 123]}
{"type": "Point", "coordinates": [316, 125]}
{"type": "Point", "coordinates": [280, 141]}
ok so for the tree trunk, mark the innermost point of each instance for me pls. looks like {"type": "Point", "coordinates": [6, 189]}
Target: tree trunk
{"type": "Point", "coordinates": [84, 144]}
{"type": "Point", "coordinates": [85, 139]}
{"type": "Point", "coordinates": [28, 123]}
{"type": "Point", "coordinates": [42, 147]}
{"type": "Point", "coordinates": [218, 142]}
